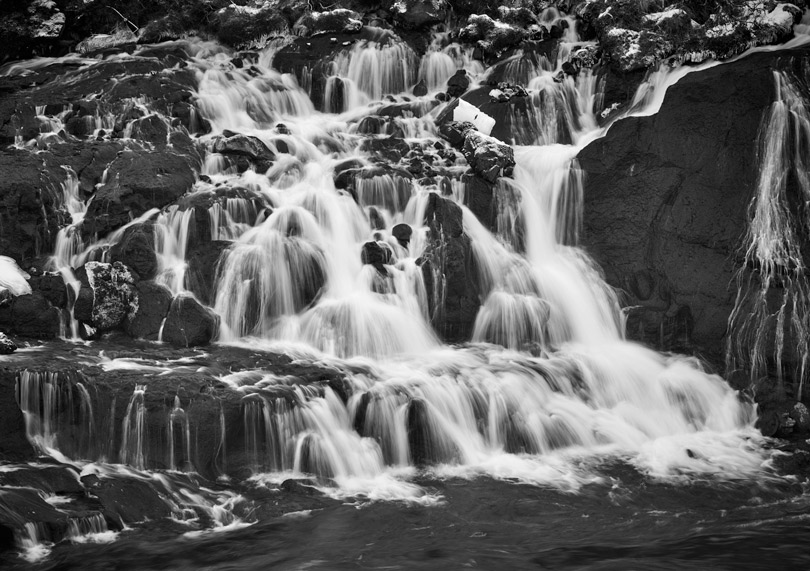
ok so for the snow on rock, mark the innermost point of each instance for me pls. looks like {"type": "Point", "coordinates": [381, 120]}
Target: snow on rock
{"type": "Point", "coordinates": [465, 112]}
{"type": "Point", "coordinates": [13, 278]}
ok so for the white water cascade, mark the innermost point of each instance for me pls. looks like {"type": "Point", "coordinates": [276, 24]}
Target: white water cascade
{"type": "Point", "coordinates": [546, 387]}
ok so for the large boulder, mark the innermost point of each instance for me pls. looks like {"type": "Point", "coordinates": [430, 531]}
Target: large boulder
{"type": "Point", "coordinates": [202, 265]}
{"type": "Point", "coordinates": [487, 156]}
{"type": "Point", "coordinates": [153, 305]}
{"type": "Point", "coordinates": [447, 267]}
{"type": "Point", "coordinates": [136, 250]}
{"type": "Point", "coordinates": [31, 315]}
{"type": "Point", "coordinates": [666, 202]}
{"type": "Point", "coordinates": [137, 181]}
{"type": "Point", "coordinates": [30, 28]}
{"type": "Point", "coordinates": [337, 21]}
{"type": "Point", "coordinates": [189, 323]}
{"type": "Point", "coordinates": [107, 295]}
{"type": "Point", "coordinates": [245, 151]}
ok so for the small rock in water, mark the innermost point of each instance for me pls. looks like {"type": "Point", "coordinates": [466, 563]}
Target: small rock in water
{"type": "Point", "coordinates": [7, 346]}
{"type": "Point", "coordinates": [458, 83]}
{"type": "Point", "coordinates": [403, 233]}
{"type": "Point", "coordinates": [420, 89]}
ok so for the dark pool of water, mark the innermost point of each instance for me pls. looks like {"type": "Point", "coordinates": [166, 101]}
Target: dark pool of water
{"type": "Point", "coordinates": [626, 522]}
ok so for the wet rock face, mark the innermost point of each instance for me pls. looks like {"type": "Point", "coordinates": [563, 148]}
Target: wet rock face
{"type": "Point", "coordinates": [189, 323]}
{"type": "Point", "coordinates": [666, 202]}
{"type": "Point", "coordinates": [31, 315]}
{"type": "Point", "coordinates": [136, 250]}
{"type": "Point", "coordinates": [245, 151]}
{"type": "Point", "coordinates": [153, 306]}
{"type": "Point", "coordinates": [487, 156]}
{"type": "Point", "coordinates": [415, 14]}
{"type": "Point", "coordinates": [447, 267]}
{"type": "Point", "coordinates": [338, 21]}
{"type": "Point", "coordinates": [137, 181]}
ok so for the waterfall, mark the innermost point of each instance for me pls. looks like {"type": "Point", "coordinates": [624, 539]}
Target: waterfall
{"type": "Point", "coordinates": [770, 323]}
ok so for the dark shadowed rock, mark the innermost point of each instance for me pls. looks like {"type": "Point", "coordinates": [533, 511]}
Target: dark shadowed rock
{"type": "Point", "coordinates": [458, 83]}
{"type": "Point", "coordinates": [416, 14]}
{"type": "Point", "coordinates": [203, 262]}
{"type": "Point", "coordinates": [666, 202]}
{"type": "Point", "coordinates": [189, 323]}
{"type": "Point", "coordinates": [447, 267]}
{"type": "Point", "coordinates": [137, 181]}
{"type": "Point", "coordinates": [136, 250]}
{"type": "Point", "coordinates": [52, 286]}
{"type": "Point", "coordinates": [403, 233]}
{"type": "Point", "coordinates": [247, 147]}
{"type": "Point", "coordinates": [31, 316]}
{"type": "Point", "coordinates": [153, 306]}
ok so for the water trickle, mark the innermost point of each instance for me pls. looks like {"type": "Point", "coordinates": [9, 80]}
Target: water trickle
{"type": "Point", "coordinates": [133, 430]}
{"type": "Point", "coordinates": [770, 323]}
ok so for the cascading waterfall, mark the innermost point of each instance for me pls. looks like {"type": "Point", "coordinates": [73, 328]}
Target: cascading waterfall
{"type": "Point", "coordinates": [320, 272]}
{"type": "Point", "coordinates": [770, 323]}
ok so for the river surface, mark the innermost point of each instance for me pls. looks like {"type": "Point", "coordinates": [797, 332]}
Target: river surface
{"type": "Point", "coordinates": [623, 522]}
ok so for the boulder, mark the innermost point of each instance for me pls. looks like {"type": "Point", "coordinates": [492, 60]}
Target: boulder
{"type": "Point", "coordinates": [136, 250]}
{"type": "Point", "coordinates": [31, 316]}
{"type": "Point", "coordinates": [402, 232]}
{"type": "Point", "coordinates": [189, 323]}
{"type": "Point", "coordinates": [418, 14]}
{"type": "Point", "coordinates": [420, 89]}
{"type": "Point", "coordinates": [52, 286]}
{"type": "Point", "coordinates": [107, 295]}
{"type": "Point", "coordinates": [338, 21]}
{"type": "Point", "coordinates": [447, 267]}
{"type": "Point", "coordinates": [202, 265]}
{"type": "Point", "coordinates": [487, 156]}
{"type": "Point", "coordinates": [153, 305]}
{"type": "Point", "coordinates": [31, 28]}
{"type": "Point", "coordinates": [666, 202]}
{"type": "Point", "coordinates": [455, 132]}
{"type": "Point", "coordinates": [376, 254]}
{"type": "Point", "coordinates": [458, 83]}
{"type": "Point", "coordinates": [7, 346]}
{"type": "Point", "coordinates": [136, 182]}
{"type": "Point", "coordinates": [246, 148]}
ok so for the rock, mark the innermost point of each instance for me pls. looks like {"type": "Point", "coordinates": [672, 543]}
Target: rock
{"type": "Point", "coordinates": [136, 250]}
{"type": "Point", "coordinates": [458, 83]}
{"type": "Point", "coordinates": [137, 181]}
{"type": "Point", "coordinates": [418, 14]}
{"type": "Point", "coordinates": [31, 28]}
{"type": "Point", "coordinates": [52, 286]}
{"type": "Point", "coordinates": [488, 157]}
{"type": "Point", "coordinates": [447, 267]}
{"type": "Point", "coordinates": [494, 37]}
{"type": "Point", "coordinates": [402, 232]}
{"type": "Point", "coordinates": [31, 316]}
{"type": "Point", "coordinates": [202, 265]}
{"type": "Point", "coordinates": [28, 218]}
{"type": "Point", "coordinates": [455, 132]}
{"type": "Point", "coordinates": [670, 202]}
{"type": "Point", "coordinates": [801, 416]}
{"type": "Point", "coordinates": [240, 26]}
{"type": "Point", "coordinates": [151, 129]}
{"type": "Point", "coordinates": [7, 346]}
{"type": "Point", "coordinates": [376, 254]}
{"type": "Point", "coordinates": [189, 324]}
{"type": "Point", "coordinates": [338, 21]}
{"type": "Point", "coordinates": [153, 305]}
{"type": "Point", "coordinates": [247, 147]}
{"type": "Point", "coordinates": [107, 295]}
{"type": "Point", "coordinates": [420, 89]}
{"type": "Point", "coordinates": [391, 149]}
{"type": "Point", "coordinates": [101, 42]}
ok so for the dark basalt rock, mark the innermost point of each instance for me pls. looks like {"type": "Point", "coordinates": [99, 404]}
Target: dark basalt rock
{"type": "Point", "coordinates": [31, 28]}
{"type": "Point", "coordinates": [52, 286]}
{"type": "Point", "coordinates": [455, 132]}
{"type": "Point", "coordinates": [666, 202]}
{"type": "Point", "coordinates": [403, 233]}
{"type": "Point", "coordinates": [376, 254]}
{"type": "Point", "coordinates": [137, 181]}
{"type": "Point", "coordinates": [136, 250]}
{"type": "Point", "coordinates": [447, 267]}
{"type": "Point", "coordinates": [245, 146]}
{"type": "Point", "coordinates": [458, 83]}
{"type": "Point", "coordinates": [203, 263]}
{"type": "Point", "coordinates": [153, 306]}
{"type": "Point", "coordinates": [189, 323]}
{"type": "Point", "coordinates": [487, 156]}
{"type": "Point", "coordinates": [31, 316]}
{"type": "Point", "coordinates": [420, 89]}
{"type": "Point", "coordinates": [28, 218]}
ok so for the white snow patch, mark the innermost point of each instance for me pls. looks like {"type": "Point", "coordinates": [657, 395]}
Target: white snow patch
{"type": "Point", "coordinates": [467, 112]}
